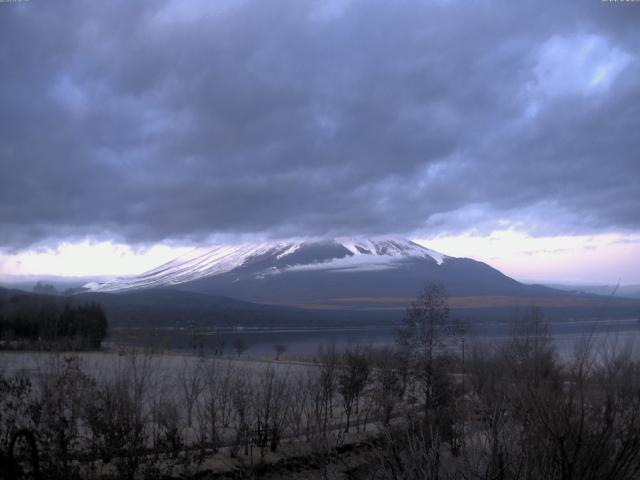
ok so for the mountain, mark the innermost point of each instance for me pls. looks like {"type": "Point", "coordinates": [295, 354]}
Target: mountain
{"type": "Point", "coordinates": [378, 273]}
{"type": "Point", "coordinates": [263, 259]}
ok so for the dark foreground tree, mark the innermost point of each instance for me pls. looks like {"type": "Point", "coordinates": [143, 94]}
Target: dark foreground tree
{"type": "Point", "coordinates": [425, 328]}
{"type": "Point", "coordinates": [421, 340]}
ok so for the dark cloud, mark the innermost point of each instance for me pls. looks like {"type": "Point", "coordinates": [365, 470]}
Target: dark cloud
{"type": "Point", "coordinates": [154, 120]}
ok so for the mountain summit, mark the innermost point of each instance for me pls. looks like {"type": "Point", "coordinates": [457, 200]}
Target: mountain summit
{"type": "Point", "coordinates": [258, 260]}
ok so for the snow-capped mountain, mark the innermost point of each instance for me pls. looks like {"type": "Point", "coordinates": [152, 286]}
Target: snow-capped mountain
{"type": "Point", "coordinates": [258, 260]}
{"type": "Point", "coordinates": [342, 277]}
{"type": "Point", "coordinates": [339, 274]}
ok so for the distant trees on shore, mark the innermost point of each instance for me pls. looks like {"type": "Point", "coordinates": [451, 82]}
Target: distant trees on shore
{"type": "Point", "coordinates": [29, 319]}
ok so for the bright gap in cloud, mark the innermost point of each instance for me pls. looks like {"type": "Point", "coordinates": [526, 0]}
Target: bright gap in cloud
{"type": "Point", "coordinates": [88, 259]}
{"type": "Point", "coordinates": [577, 259]}
{"type": "Point", "coordinates": [578, 64]}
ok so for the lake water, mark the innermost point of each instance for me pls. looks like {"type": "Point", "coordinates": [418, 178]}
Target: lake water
{"type": "Point", "coordinates": [306, 341]}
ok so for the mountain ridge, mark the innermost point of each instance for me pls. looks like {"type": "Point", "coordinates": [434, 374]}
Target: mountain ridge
{"type": "Point", "coordinates": [268, 258]}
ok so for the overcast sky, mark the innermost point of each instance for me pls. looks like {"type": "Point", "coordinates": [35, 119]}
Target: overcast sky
{"type": "Point", "coordinates": [506, 131]}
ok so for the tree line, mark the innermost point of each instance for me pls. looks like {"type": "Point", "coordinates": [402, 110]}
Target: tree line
{"type": "Point", "coordinates": [48, 322]}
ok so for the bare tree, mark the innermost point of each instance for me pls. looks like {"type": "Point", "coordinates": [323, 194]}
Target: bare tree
{"type": "Point", "coordinates": [271, 409]}
{"type": "Point", "coordinates": [298, 406]}
{"type": "Point", "coordinates": [242, 393]}
{"type": "Point", "coordinates": [192, 384]}
{"type": "Point", "coordinates": [240, 345]}
{"type": "Point", "coordinates": [388, 385]}
{"type": "Point", "coordinates": [63, 387]}
{"type": "Point", "coordinates": [425, 325]}
{"type": "Point", "coordinates": [208, 411]}
{"type": "Point", "coordinates": [586, 426]}
{"type": "Point", "coordinates": [328, 377]}
{"type": "Point", "coordinates": [117, 422]}
{"type": "Point", "coordinates": [424, 329]}
{"type": "Point", "coordinates": [352, 379]}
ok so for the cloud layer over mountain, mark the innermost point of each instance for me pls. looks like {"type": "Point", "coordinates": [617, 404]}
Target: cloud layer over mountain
{"type": "Point", "coordinates": [154, 120]}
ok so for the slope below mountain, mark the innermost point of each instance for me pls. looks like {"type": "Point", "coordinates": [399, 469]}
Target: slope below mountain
{"type": "Point", "coordinates": [339, 288]}
{"type": "Point", "coordinates": [175, 308]}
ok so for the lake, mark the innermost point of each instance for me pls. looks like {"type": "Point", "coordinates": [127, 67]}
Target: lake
{"type": "Point", "coordinates": [306, 341]}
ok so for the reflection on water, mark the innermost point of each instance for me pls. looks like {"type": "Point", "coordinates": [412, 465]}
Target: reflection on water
{"type": "Point", "coordinates": [306, 341]}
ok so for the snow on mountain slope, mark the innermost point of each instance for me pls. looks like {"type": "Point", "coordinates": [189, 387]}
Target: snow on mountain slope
{"type": "Point", "coordinates": [260, 259]}
{"type": "Point", "coordinates": [391, 248]}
